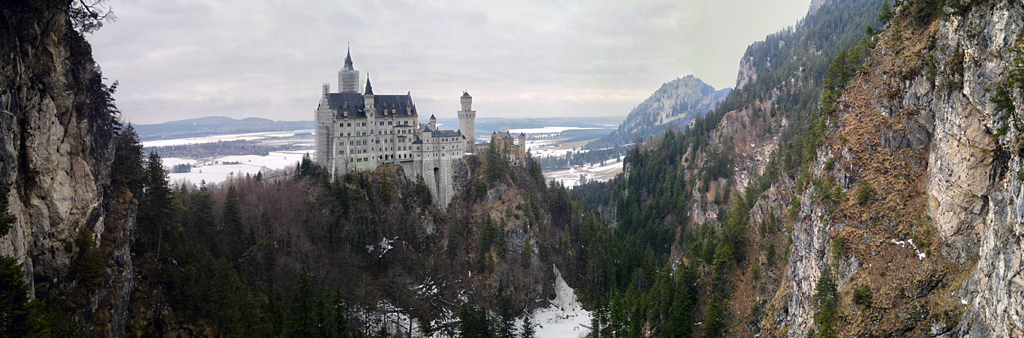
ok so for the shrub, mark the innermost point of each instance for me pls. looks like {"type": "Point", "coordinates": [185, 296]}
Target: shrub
{"type": "Point", "coordinates": [864, 192]}
{"type": "Point", "coordinates": [837, 248]}
{"type": "Point", "coordinates": [862, 295]}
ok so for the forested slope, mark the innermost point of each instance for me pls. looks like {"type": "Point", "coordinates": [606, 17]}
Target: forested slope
{"type": "Point", "coordinates": [867, 188]}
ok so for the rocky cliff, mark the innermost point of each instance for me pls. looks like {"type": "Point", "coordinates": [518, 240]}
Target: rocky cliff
{"type": "Point", "coordinates": [56, 150]}
{"type": "Point", "coordinates": [936, 238]}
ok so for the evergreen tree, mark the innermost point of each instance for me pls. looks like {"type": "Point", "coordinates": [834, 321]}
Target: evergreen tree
{"type": "Point", "coordinates": [156, 209]}
{"type": "Point", "coordinates": [128, 160]}
{"type": "Point", "coordinates": [827, 305]}
{"type": "Point", "coordinates": [527, 329]}
{"type": "Point", "coordinates": [527, 253]}
{"type": "Point", "coordinates": [423, 192]}
{"type": "Point", "coordinates": [19, 316]}
{"type": "Point", "coordinates": [302, 321]}
{"type": "Point", "coordinates": [497, 162]}
{"type": "Point", "coordinates": [507, 322]}
{"type": "Point", "coordinates": [237, 239]}
{"type": "Point", "coordinates": [473, 323]}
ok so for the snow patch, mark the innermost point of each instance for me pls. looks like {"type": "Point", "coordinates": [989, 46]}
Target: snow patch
{"type": "Point", "coordinates": [565, 317]}
{"type": "Point", "coordinates": [903, 244]}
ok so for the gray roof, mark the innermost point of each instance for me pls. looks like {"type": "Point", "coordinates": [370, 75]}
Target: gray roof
{"type": "Point", "coordinates": [445, 133]}
{"type": "Point", "coordinates": [354, 104]}
{"type": "Point", "coordinates": [348, 59]}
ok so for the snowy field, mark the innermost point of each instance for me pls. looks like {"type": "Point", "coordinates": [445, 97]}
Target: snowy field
{"type": "Point", "coordinates": [595, 172]}
{"type": "Point", "coordinates": [544, 130]}
{"type": "Point", "coordinates": [228, 137]}
{"type": "Point", "coordinates": [217, 170]}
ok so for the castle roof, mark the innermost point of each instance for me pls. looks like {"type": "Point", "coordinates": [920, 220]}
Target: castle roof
{"type": "Point", "coordinates": [445, 133]}
{"type": "Point", "coordinates": [369, 89]}
{"type": "Point", "coordinates": [348, 60]}
{"type": "Point", "coordinates": [356, 107]}
{"type": "Point", "coordinates": [465, 94]}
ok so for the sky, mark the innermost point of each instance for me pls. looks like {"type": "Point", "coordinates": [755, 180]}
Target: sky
{"type": "Point", "coordinates": [179, 59]}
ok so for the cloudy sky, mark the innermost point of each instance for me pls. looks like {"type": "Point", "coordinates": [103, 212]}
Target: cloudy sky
{"type": "Point", "coordinates": [178, 59]}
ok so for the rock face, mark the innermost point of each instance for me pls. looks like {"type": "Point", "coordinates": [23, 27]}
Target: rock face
{"type": "Point", "coordinates": [939, 241]}
{"type": "Point", "coordinates": [56, 149]}
{"type": "Point", "coordinates": [676, 103]}
{"type": "Point", "coordinates": [975, 195]}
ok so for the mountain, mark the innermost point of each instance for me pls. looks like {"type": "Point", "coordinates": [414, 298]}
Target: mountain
{"type": "Point", "coordinates": [863, 180]}
{"type": "Point", "coordinates": [673, 105]}
{"type": "Point", "coordinates": [215, 125]}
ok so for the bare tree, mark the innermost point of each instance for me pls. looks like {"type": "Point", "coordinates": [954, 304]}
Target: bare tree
{"type": "Point", "coordinates": [89, 15]}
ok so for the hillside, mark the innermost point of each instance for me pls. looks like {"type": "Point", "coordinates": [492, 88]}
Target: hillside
{"type": "Point", "coordinates": [865, 188]}
{"type": "Point", "coordinates": [674, 105]}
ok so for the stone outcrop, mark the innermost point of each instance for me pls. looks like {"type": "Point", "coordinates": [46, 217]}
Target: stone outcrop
{"type": "Point", "coordinates": [939, 240]}
{"type": "Point", "coordinates": [56, 148]}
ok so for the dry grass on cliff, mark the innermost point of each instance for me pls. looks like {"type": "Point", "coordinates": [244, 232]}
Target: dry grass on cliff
{"type": "Point", "coordinates": [873, 122]}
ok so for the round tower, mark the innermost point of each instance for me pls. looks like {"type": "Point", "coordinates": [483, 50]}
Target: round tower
{"type": "Point", "coordinates": [467, 122]}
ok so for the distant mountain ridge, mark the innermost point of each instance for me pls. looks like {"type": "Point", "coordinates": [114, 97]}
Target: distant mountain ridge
{"type": "Point", "coordinates": [214, 125]}
{"type": "Point", "coordinates": [673, 105]}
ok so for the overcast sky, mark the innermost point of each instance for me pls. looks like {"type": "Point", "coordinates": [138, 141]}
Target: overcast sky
{"type": "Point", "coordinates": [178, 59]}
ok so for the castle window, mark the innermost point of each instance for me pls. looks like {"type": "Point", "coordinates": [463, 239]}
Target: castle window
{"type": "Point", "coordinates": [349, 124]}
{"type": "Point", "coordinates": [389, 123]}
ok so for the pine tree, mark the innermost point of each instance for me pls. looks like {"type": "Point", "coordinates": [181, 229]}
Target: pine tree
{"type": "Point", "coordinates": [507, 323]}
{"type": "Point", "coordinates": [302, 321]}
{"type": "Point", "coordinates": [128, 160]}
{"type": "Point", "coordinates": [527, 254]}
{"type": "Point", "coordinates": [527, 329]}
{"type": "Point", "coordinates": [827, 305]}
{"type": "Point", "coordinates": [156, 209]}
{"type": "Point", "coordinates": [19, 315]}
{"type": "Point", "coordinates": [497, 163]}
{"type": "Point", "coordinates": [237, 239]}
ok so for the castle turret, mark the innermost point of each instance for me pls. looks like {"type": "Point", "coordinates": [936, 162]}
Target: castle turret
{"type": "Point", "coordinates": [348, 77]}
{"type": "Point", "coordinates": [433, 122]}
{"type": "Point", "coordinates": [371, 114]}
{"type": "Point", "coordinates": [467, 122]}
{"type": "Point", "coordinates": [323, 117]}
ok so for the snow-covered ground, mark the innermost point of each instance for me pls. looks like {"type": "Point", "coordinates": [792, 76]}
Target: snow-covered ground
{"type": "Point", "coordinates": [544, 148]}
{"type": "Point", "coordinates": [216, 171]}
{"type": "Point", "coordinates": [228, 137]}
{"type": "Point", "coordinates": [544, 130]}
{"type": "Point", "coordinates": [565, 317]}
{"type": "Point", "coordinates": [594, 172]}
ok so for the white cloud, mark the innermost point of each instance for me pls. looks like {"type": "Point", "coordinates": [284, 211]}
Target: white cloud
{"type": "Point", "coordinates": [179, 59]}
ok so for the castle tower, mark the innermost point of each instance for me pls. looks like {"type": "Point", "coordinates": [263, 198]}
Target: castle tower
{"type": "Point", "coordinates": [433, 122]}
{"type": "Point", "coordinates": [371, 114]}
{"type": "Point", "coordinates": [467, 118]}
{"type": "Point", "coordinates": [324, 121]}
{"type": "Point", "coordinates": [348, 77]}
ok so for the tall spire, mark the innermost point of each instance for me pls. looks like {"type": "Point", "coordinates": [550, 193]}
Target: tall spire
{"type": "Point", "coordinates": [369, 89]}
{"type": "Point", "coordinates": [348, 58]}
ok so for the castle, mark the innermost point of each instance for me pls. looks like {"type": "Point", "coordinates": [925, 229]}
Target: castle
{"type": "Point", "coordinates": [362, 131]}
